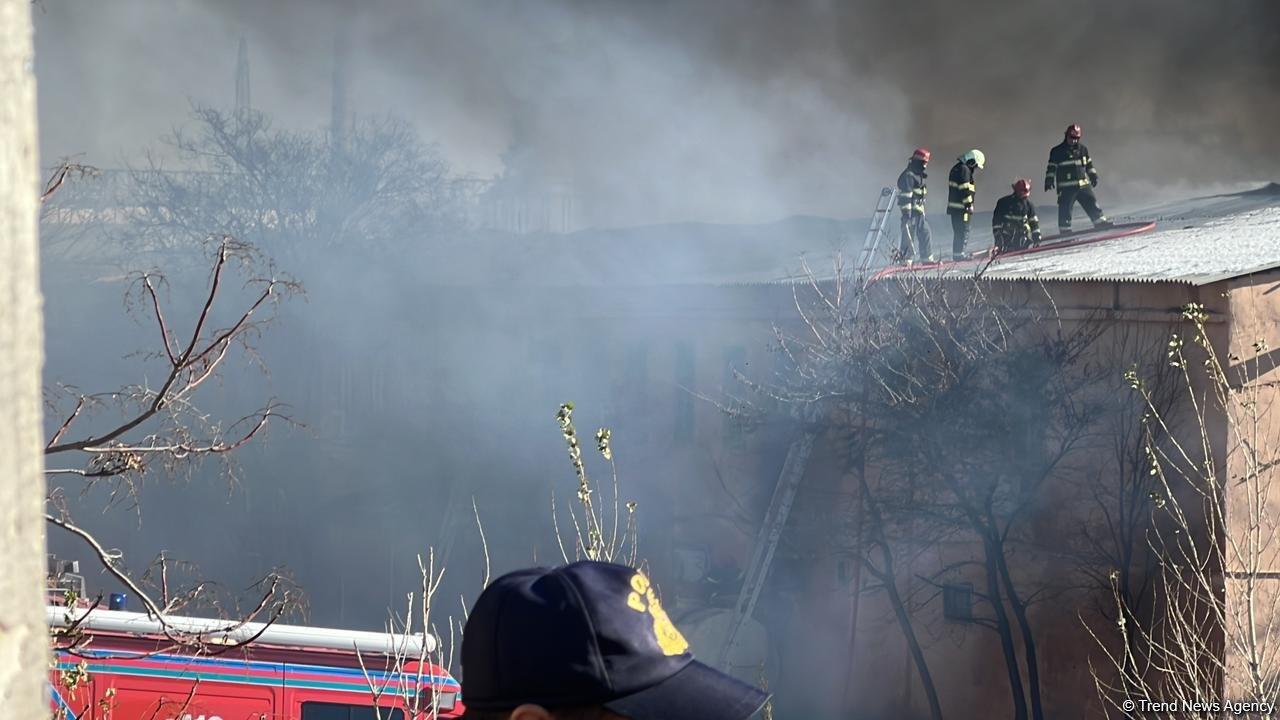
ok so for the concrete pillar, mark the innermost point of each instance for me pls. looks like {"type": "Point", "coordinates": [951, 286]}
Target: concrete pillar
{"type": "Point", "coordinates": [23, 639]}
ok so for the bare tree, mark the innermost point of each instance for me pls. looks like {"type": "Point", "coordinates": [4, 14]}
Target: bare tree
{"type": "Point", "coordinates": [967, 405]}
{"type": "Point", "coordinates": [377, 187]}
{"type": "Point", "coordinates": [407, 675]}
{"type": "Point", "coordinates": [116, 439]}
{"type": "Point", "coordinates": [1208, 648]}
{"type": "Point", "coordinates": [1115, 556]}
{"type": "Point", "coordinates": [248, 186]}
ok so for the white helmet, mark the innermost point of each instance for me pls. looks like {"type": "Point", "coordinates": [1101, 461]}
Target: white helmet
{"type": "Point", "coordinates": [975, 155]}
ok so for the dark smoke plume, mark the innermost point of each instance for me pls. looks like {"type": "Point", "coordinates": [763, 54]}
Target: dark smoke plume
{"type": "Point", "coordinates": [717, 111]}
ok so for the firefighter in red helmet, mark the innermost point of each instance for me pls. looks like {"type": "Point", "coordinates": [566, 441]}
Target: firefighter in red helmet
{"type": "Point", "coordinates": [911, 197]}
{"type": "Point", "coordinates": [1071, 170]}
{"type": "Point", "coordinates": [1014, 223]}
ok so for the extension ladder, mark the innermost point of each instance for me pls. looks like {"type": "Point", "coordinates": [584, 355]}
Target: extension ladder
{"type": "Point", "coordinates": [775, 520]}
{"type": "Point", "coordinates": [875, 231]}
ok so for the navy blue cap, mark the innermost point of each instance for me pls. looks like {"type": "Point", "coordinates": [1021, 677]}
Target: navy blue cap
{"type": "Point", "coordinates": [590, 633]}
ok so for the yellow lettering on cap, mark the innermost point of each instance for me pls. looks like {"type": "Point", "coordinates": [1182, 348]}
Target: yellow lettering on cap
{"type": "Point", "coordinates": [640, 583]}
{"type": "Point", "coordinates": [669, 638]}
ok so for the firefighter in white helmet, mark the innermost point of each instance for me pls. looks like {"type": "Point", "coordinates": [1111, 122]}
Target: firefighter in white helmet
{"type": "Point", "coordinates": [961, 191]}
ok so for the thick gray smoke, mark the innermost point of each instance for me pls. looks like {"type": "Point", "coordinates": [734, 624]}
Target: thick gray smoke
{"type": "Point", "coordinates": [652, 112]}
{"type": "Point", "coordinates": [707, 111]}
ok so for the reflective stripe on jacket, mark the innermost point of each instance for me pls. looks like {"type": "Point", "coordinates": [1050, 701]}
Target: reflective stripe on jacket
{"type": "Point", "coordinates": [1015, 215]}
{"type": "Point", "coordinates": [961, 191]}
{"type": "Point", "coordinates": [912, 191]}
{"type": "Point", "coordinates": [1069, 166]}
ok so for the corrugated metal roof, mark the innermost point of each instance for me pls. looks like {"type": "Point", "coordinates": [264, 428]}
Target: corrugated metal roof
{"type": "Point", "coordinates": [1197, 254]}
{"type": "Point", "coordinates": [1197, 240]}
{"type": "Point", "coordinates": [1193, 252]}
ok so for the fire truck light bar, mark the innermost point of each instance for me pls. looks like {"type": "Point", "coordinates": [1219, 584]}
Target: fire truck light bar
{"type": "Point", "coordinates": [225, 632]}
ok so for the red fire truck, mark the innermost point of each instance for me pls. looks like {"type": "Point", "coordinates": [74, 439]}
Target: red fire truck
{"type": "Point", "coordinates": [123, 667]}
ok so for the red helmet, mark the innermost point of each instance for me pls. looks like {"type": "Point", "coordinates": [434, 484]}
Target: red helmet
{"type": "Point", "coordinates": [1022, 188]}
{"type": "Point", "coordinates": [921, 154]}
{"type": "Point", "coordinates": [1074, 132]}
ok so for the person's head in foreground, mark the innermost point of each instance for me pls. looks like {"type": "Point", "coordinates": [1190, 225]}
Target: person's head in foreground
{"type": "Point", "coordinates": [587, 641]}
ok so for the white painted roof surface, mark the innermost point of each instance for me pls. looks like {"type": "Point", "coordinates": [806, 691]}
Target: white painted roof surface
{"type": "Point", "coordinates": [1197, 253]}
{"type": "Point", "coordinates": [1196, 241]}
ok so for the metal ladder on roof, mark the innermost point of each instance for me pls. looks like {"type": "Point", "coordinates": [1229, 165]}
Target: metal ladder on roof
{"type": "Point", "coordinates": [775, 520]}
{"type": "Point", "coordinates": [875, 231]}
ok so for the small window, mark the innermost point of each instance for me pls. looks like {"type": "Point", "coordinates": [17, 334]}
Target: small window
{"type": "Point", "coordinates": [957, 601]}
{"type": "Point", "coordinates": [844, 571]}
{"type": "Point", "coordinates": [334, 711]}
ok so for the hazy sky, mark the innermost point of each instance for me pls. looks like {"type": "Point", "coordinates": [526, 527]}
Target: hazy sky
{"type": "Point", "coordinates": [721, 111]}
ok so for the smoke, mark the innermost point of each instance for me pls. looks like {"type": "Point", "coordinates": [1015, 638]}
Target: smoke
{"type": "Point", "coordinates": [652, 112]}
{"type": "Point", "coordinates": [669, 111]}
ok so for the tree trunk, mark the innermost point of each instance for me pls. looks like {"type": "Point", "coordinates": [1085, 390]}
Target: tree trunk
{"type": "Point", "coordinates": [1004, 628]}
{"type": "Point", "coordinates": [913, 642]}
{"type": "Point", "coordinates": [24, 643]}
{"type": "Point", "coordinates": [888, 578]}
{"type": "Point", "coordinates": [1028, 639]}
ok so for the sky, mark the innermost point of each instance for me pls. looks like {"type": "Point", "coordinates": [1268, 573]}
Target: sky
{"type": "Point", "coordinates": [712, 111]}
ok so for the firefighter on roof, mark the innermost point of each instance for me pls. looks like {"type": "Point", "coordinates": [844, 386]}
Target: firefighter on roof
{"type": "Point", "coordinates": [911, 197]}
{"type": "Point", "coordinates": [1071, 170]}
{"type": "Point", "coordinates": [1014, 223]}
{"type": "Point", "coordinates": [960, 194]}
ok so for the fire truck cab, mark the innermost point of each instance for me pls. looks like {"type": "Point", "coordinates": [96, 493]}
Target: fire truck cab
{"type": "Point", "coordinates": [122, 666]}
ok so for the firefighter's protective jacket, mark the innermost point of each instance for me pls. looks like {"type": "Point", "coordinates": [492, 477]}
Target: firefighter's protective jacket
{"type": "Point", "coordinates": [960, 191]}
{"type": "Point", "coordinates": [1014, 223]}
{"type": "Point", "coordinates": [1069, 166]}
{"type": "Point", "coordinates": [911, 190]}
